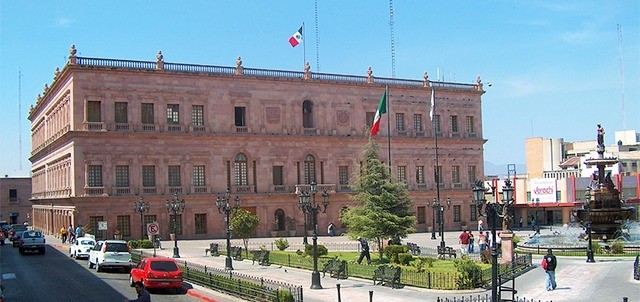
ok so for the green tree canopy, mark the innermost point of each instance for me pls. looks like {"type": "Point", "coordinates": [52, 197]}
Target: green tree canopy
{"type": "Point", "coordinates": [385, 209]}
{"type": "Point", "coordinates": [244, 223]}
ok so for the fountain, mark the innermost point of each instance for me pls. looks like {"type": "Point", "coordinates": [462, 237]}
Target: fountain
{"type": "Point", "coordinates": [603, 208]}
{"type": "Point", "coordinates": [602, 215]}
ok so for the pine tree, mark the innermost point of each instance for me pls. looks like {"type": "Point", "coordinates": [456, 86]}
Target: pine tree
{"type": "Point", "coordinates": [385, 209]}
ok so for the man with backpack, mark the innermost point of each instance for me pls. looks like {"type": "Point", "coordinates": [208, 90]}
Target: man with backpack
{"type": "Point", "coordinates": [549, 265]}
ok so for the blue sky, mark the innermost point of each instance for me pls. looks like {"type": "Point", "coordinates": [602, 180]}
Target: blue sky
{"type": "Point", "coordinates": [554, 65]}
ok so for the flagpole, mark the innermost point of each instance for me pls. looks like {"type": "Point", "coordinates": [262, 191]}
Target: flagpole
{"type": "Point", "coordinates": [304, 47]}
{"type": "Point", "coordinates": [388, 125]}
{"type": "Point", "coordinates": [436, 174]}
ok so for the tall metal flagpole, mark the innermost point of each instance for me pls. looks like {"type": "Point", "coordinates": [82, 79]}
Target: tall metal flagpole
{"type": "Point", "coordinates": [435, 172]}
{"type": "Point", "coordinates": [388, 126]}
{"type": "Point", "coordinates": [304, 47]}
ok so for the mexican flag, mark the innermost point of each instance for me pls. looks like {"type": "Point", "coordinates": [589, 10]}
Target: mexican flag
{"type": "Point", "coordinates": [382, 109]}
{"type": "Point", "coordinates": [296, 38]}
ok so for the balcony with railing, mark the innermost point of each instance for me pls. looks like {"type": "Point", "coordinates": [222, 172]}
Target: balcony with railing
{"type": "Point", "coordinates": [241, 129]}
{"type": "Point", "coordinates": [331, 188]}
{"type": "Point", "coordinates": [174, 128]}
{"type": "Point", "coordinates": [149, 190]}
{"type": "Point", "coordinates": [243, 189]}
{"type": "Point", "coordinates": [117, 191]}
{"type": "Point", "coordinates": [94, 191]}
{"type": "Point", "coordinates": [121, 127]}
{"type": "Point", "coordinates": [148, 127]}
{"type": "Point", "coordinates": [199, 189]}
{"type": "Point", "coordinates": [279, 188]}
{"type": "Point", "coordinates": [175, 190]}
{"type": "Point", "coordinates": [93, 126]}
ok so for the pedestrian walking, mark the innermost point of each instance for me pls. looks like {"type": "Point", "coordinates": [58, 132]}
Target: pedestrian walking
{"type": "Point", "coordinates": [480, 226]}
{"type": "Point", "coordinates": [463, 239]}
{"type": "Point", "coordinates": [63, 234]}
{"type": "Point", "coordinates": [471, 242]}
{"type": "Point", "coordinates": [71, 235]}
{"type": "Point", "coordinates": [331, 229]}
{"type": "Point", "coordinates": [549, 264]}
{"type": "Point", "coordinates": [520, 223]}
{"type": "Point", "coordinates": [365, 250]}
{"type": "Point", "coordinates": [482, 242]}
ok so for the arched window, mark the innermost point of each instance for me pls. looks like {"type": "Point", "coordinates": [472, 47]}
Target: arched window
{"type": "Point", "coordinates": [307, 114]}
{"type": "Point", "coordinates": [240, 170]}
{"type": "Point", "coordinates": [279, 220]}
{"type": "Point", "coordinates": [309, 169]}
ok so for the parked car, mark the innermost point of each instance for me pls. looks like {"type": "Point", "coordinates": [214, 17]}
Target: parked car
{"type": "Point", "coordinates": [81, 248]}
{"type": "Point", "coordinates": [31, 240]}
{"type": "Point", "coordinates": [157, 273]}
{"type": "Point", "coordinates": [110, 253]}
{"type": "Point", "coordinates": [1, 238]}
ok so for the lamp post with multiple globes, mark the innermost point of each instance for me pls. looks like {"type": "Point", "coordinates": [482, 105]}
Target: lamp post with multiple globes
{"type": "Point", "coordinates": [307, 203]}
{"type": "Point", "coordinates": [222, 202]}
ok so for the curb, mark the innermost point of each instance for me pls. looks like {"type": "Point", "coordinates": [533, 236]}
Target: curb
{"type": "Point", "coordinates": [201, 296]}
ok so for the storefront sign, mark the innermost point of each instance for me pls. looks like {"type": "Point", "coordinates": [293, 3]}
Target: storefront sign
{"type": "Point", "coordinates": [543, 189]}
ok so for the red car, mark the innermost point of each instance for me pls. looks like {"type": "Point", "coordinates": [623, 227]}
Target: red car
{"type": "Point", "coordinates": [157, 273]}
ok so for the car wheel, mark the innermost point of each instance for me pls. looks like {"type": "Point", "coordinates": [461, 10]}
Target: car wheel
{"type": "Point", "coordinates": [98, 268]}
{"type": "Point", "coordinates": [21, 251]}
{"type": "Point", "coordinates": [90, 263]}
{"type": "Point", "coordinates": [130, 280]}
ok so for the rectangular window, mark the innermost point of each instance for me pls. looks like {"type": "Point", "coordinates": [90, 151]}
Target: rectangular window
{"type": "Point", "coordinates": [369, 117]}
{"type": "Point", "coordinates": [454, 123]}
{"type": "Point", "coordinates": [470, 128]}
{"type": "Point", "coordinates": [437, 174]}
{"type": "Point", "coordinates": [197, 115]}
{"type": "Point", "coordinates": [175, 224]}
{"type": "Point", "coordinates": [471, 174]}
{"type": "Point", "coordinates": [473, 213]}
{"type": "Point", "coordinates": [400, 121]}
{"type": "Point", "coordinates": [148, 219]}
{"type": "Point", "coordinates": [343, 175]}
{"type": "Point", "coordinates": [148, 176]}
{"type": "Point", "coordinates": [122, 176]}
{"type": "Point", "coordinates": [198, 176]}
{"type": "Point", "coordinates": [420, 215]}
{"type": "Point", "coordinates": [278, 179]}
{"type": "Point", "coordinates": [94, 114]}
{"type": "Point", "coordinates": [456, 213]}
{"type": "Point", "coordinates": [121, 113]}
{"type": "Point", "coordinates": [13, 193]}
{"type": "Point", "coordinates": [420, 174]}
{"type": "Point", "coordinates": [436, 123]}
{"type": "Point", "coordinates": [123, 224]}
{"type": "Point", "coordinates": [94, 175]}
{"type": "Point", "coordinates": [173, 114]}
{"type": "Point", "coordinates": [402, 173]}
{"type": "Point", "coordinates": [201, 223]}
{"type": "Point", "coordinates": [147, 113]}
{"type": "Point", "coordinates": [174, 176]}
{"type": "Point", "coordinates": [93, 224]}
{"type": "Point", "coordinates": [455, 174]}
{"type": "Point", "coordinates": [417, 122]}
{"type": "Point", "coordinates": [240, 117]}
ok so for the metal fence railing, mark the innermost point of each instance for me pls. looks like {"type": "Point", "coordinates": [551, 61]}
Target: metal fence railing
{"type": "Point", "coordinates": [636, 269]}
{"type": "Point", "coordinates": [239, 285]}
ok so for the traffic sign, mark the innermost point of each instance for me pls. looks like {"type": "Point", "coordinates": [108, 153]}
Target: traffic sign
{"type": "Point", "coordinates": [102, 225]}
{"type": "Point", "coordinates": [153, 228]}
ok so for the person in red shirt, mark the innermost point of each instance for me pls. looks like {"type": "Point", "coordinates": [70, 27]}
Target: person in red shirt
{"type": "Point", "coordinates": [464, 241]}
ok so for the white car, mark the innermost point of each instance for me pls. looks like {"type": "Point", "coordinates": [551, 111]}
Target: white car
{"type": "Point", "coordinates": [110, 253]}
{"type": "Point", "coordinates": [81, 248]}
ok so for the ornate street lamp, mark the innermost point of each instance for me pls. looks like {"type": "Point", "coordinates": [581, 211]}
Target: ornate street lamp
{"type": "Point", "coordinates": [309, 206]}
{"type": "Point", "coordinates": [175, 207]}
{"type": "Point", "coordinates": [493, 210]}
{"type": "Point", "coordinates": [587, 206]}
{"type": "Point", "coordinates": [141, 207]}
{"type": "Point", "coordinates": [439, 209]}
{"type": "Point", "coordinates": [222, 202]}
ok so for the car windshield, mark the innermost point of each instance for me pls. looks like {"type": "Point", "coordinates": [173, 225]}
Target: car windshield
{"type": "Point", "coordinates": [31, 234]}
{"type": "Point", "coordinates": [87, 242]}
{"type": "Point", "coordinates": [117, 247]}
{"type": "Point", "coordinates": [165, 266]}
{"type": "Point", "coordinates": [18, 227]}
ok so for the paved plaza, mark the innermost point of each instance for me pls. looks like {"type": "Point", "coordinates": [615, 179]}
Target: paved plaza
{"type": "Point", "coordinates": [609, 279]}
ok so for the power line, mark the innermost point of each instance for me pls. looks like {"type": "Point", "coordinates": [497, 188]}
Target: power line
{"type": "Point", "coordinates": [393, 50]}
{"type": "Point", "coordinates": [624, 116]}
{"type": "Point", "coordinates": [317, 39]}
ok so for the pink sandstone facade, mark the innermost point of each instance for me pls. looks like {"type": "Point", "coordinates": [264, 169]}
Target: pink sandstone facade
{"type": "Point", "coordinates": [108, 132]}
{"type": "Point", "coordinates": [15, 200]}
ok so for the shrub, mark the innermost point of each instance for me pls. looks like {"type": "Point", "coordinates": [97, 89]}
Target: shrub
{"type": "Point", "coordinates": [282, 243]}
{"type": "Point", "coordinates": [617, 248]}
{"type": "Point", "coordinates": [516, 240]}
{"type": "Point", "coordinates": [322, 250]}
{"type": "Point", "coordinates": [468, 273]}
{"type": "Point", "coordinates": [421, 263]}
{"type": "Point", "coordinates": [485, 256]}
{"type": "Point", "coordinates": [140, 244]}
{"type": "Point", "coordinates": [283, 296]}
{"type": "Point", "coordinates": [597, 248]}
{"type": "Point", "coordinates": [404, 258]}
{"type": "Point", "coordinates": [392, 251]}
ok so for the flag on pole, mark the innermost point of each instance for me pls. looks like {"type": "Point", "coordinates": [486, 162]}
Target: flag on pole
{"type": "Point", "coordinates": [382, 109]}
{"type": "Point", "coordinates": [296, 38]}
{"type": "Point", "coordinates": [433, 103]}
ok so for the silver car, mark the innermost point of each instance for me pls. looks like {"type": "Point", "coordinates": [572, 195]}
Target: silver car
{"type": "Point", "coordinates": [111, 254]}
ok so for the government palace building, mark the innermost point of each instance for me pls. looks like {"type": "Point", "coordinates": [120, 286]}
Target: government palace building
{"type": "Point", "coordinates": [108, 133]}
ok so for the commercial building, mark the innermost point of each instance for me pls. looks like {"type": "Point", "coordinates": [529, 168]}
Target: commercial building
{"type": "Point", "coordinates": [15, 203]}
{"type": "Point", "coordinates": [108, 132]}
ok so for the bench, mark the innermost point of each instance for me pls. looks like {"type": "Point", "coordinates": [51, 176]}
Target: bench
{"type": "Point", "coordinates": [236, 253]}
{"type": "Point", "coordinates": [446, 251]}
{"type": "Point", "coordinates": [387, 274]}
{"type": "Point", "coordinates": [261, 256]}
{"type": "Point", "coordinates": [414, 249]}
{"type": "Point", "coordinates": [212, 250]}
{"type": "Point", "coordinates": [336, 268]}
